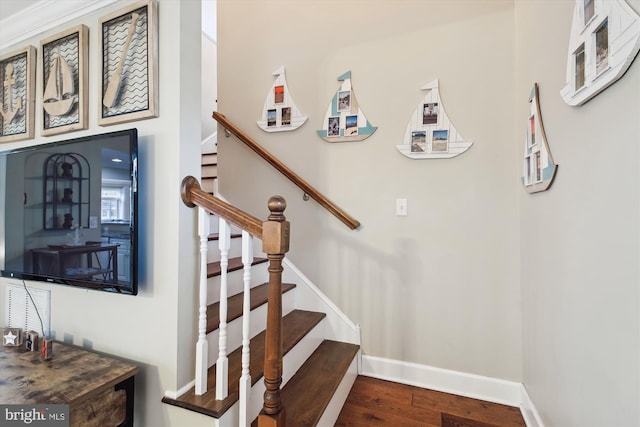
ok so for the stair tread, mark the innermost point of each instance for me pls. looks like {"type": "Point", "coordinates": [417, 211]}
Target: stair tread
{"type": "Point", "coordinates": [308, 393]}
{"type": "Point", "coordinates": [214, 269]}
{"type": "Point", "coordinates": [258, 296]}
{"type": "Point", "coordinates": [295, 326]}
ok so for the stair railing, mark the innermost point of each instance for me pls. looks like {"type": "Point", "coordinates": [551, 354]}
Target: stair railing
{"type": "Point", "coordinates": [283, 169]}
{"type": "Point", "coordinates": [274, 233]}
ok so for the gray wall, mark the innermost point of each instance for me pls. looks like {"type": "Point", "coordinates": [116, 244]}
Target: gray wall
{"type": "Point", "coordinates": [441, 286]}
{"type": "Point", "coordinates": [580, 240]}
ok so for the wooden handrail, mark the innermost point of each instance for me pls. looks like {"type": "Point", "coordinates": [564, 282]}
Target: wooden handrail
{"type": "Point", "coordinates": [193, 195]}
{"type": "Point", "coordinates": [283, 169]}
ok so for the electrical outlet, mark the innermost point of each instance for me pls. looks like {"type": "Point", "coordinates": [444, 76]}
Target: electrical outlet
{"type": "Point", "coordinates": [401, 207]}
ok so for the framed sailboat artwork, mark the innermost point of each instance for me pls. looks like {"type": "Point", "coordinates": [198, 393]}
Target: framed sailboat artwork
{"type": "Point", "coordinates": [129, 64]}
{"type": "Point", "coordinates": [344, 120]}
{"type": "Point", "coordinates": [17, 100]}
{"type": "Point", "coordinates": [64, 65]}
{"type": "Point", "coordinates": [430, 134]}
{"type": "Point", "coordinates": [539, 169]}
{"type": "Point", "coordinates": [604, 41]}
{"type": "Point", "coordinates": [280, 112]}
{"type": "Point", "coordinates": [63, 75]}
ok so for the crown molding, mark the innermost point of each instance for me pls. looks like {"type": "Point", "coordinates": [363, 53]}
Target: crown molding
{"type": "Point", "coordinates": [43, 16]}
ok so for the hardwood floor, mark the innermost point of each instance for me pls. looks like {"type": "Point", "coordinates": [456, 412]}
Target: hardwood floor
{"type": "Point", "coordinates": [374, 402]}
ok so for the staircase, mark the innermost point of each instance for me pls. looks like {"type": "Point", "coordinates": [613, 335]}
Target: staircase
{"type": "Point", "coordinates": [319, 345]}
{"type": "Point", "coordinates": [209, 169]}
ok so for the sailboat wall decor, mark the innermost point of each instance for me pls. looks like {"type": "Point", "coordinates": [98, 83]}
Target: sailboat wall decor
{"type": "Point", "coordinates": [430, 133]}
{"type": "Point", "coordinates": [129, 64]}
{"type": "Point", "coordinates": [605, 39]}
{"type": "Point", "coordinates": [280, 112]}
{"type": "Point", "coordinates": [344, 120]}
{"type": "Point", "coordinates": [17, 100]}
{"type": "Point", "coordinates": [539, 169]}
{"type": "Point", "coordinates": [64, 59]}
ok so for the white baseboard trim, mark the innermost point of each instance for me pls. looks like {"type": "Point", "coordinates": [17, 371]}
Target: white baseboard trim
{"type": "Point", "coordinates": [448, 381]}
{"type": "Point", "coordinates": [529, 412]}
{"type": "Point", "coordinates": [171, 394]}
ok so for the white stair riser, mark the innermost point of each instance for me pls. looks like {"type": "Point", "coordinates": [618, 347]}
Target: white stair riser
{"type": "Point", "coordinates": [257, 324]}
{"type": "Point", "coordinates": [292, 361]}
{"type": "Point", "coordinates": [331, 413]}
{"type": "Point", "coordinates": [235, 284]}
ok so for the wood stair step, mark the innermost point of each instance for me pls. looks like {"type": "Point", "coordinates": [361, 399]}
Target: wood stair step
{"type": "Point", "coordinates": [259, 295]}
{"type": "Point", "coordinates": [308, 393]}
{"type": "Point", "coordinates": [209, 159]}
{"type": "Point", "coordinates": [214, 269]}
{"type": "Point", "coordinates": [296, 325]}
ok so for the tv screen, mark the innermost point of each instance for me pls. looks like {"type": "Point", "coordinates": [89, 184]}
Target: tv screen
{"type": "Point", "coordinates": [70, 212]}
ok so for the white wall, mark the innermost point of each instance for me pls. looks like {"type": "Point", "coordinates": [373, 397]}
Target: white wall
{"type": "Point", "coordinates": [580, 247]}
{"type": "Point", "coordinates": [154, 329]}
{"type": "Point", "coordinates": [438, 287]}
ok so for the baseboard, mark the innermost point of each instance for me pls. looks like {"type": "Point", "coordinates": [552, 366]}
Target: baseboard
{"type": "Point", "coordinates": [182, 390]}
{"type": "Point", "coordinates": [448, 381]}
{"type": "Point", "coordinates": [529, 412]}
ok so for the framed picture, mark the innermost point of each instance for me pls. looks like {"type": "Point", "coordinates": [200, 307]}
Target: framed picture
{"type": "Point", "coordinates": [64, 66]}
{"type": "Point", "coordinates": [278, 94]}
{"type": "Point", "coordinates": [440, 141]}
{"type": "Point", "coordinates": [418, 141]}
{"type": "Point", "coordinates": [333, 126]}
{"type": "Point", "coordinates": [351, 125]}
{"type": "Point", "coordinates": [129, 64]}
{"type": "Point", "coordinates": [430, 113]}
{"type": "Point", "coordinates": [18, 76]}
{"type": "Point", "coordinates": [579, 75]}
{"type": "Point", "coordinates": [532, 130]}
{"type": "Point", "coordinates": [344, 100]}
{"type": "Point", "coordinates": [602, 47]}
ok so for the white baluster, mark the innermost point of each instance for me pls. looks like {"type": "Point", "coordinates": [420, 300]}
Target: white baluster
{"type": "Point", "coordinates": [202, 354]}
{"type": "Point", "coordinates": [222, 364]}
{"type": "Point", "coordinates": [245, 378]}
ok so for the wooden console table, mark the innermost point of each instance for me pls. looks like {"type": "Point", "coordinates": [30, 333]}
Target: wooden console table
{"type": "Point", "coordinates": [98, 389]}
{"type": "Point", "coordinates": [55, 260]}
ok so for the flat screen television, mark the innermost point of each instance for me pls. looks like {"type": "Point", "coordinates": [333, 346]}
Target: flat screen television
{"type": "Point", "coordinates": [71, 212]}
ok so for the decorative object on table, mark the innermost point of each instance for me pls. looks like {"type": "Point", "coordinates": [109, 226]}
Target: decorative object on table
{"type": "Point", "coordinates": [32, 341]}
{"type": "Point", "coordinates": [539, 168]}
{"type": "Point", "coordinates": [74, 239]}
{"type": "Point", "coordinates": [604, 40]}
{"type": "Point", "coordinates": [64, 61]}
{"type": "Point", "coordinates": [68, 221]}
{"type": "Point", "coordinates": [129, 64]}
{"type": "Point", "coordinates": [12, 337]}
{"type": "Point", "coordinates": [18, 76]}
{"type": "Point", "coordinates": [280, 112]}
{"type": "Point", "coordinates": [344, 120]}
{"type": "Point", "coordinates": [430, 133]}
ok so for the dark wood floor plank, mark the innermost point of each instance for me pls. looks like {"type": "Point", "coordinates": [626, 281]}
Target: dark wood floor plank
{"type": "Point", "coordinates": [373, 402]}
{"type": "Point", "coordinates": [488, 412]}
{"type": "Point", "coordinates": [354, 415]}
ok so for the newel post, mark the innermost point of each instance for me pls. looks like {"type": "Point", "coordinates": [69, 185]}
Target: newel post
{"type": "Point", "coordinates": [275, 243]}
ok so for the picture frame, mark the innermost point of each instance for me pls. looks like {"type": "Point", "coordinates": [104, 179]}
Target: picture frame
{"type": "Point", "coordinates": [430, 113]}
{"type": "Point", "coordinates": [344, 101]}
{"type": "Point", "coordinates": [12, 337]}
{"type": "Point", "coordinates": [129, 64]}
{"type": "Point", "coordinates": [440, 141]}
{"type": "Point", "coordinates": [419, 141]}
{"type": "Point", "coordinates": [601, 45]}
{"type": "Point", "coordinates": [18, 98]}
{"type": "Point", "coordinates": [63, 73]}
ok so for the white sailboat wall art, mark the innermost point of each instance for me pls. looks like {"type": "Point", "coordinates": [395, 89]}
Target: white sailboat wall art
{"type": "Point", "coordinates": [344, 120]}
{"type": "Point", "coordinates": [539, 168]}
{"type": "Point", "coordinates": [430, 133]}
{"type": "Point", "coordinates": [605, 39]}
{"type": "Point", "coordinates": [280, 112]}
{"type": "Point", "coordinates": [59, 91]}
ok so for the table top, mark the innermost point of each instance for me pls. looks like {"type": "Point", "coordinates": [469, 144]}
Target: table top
{"type": "Point", "coordinates": [71, 376]}
{"type": "Point", "coordinates": [98, 247]}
